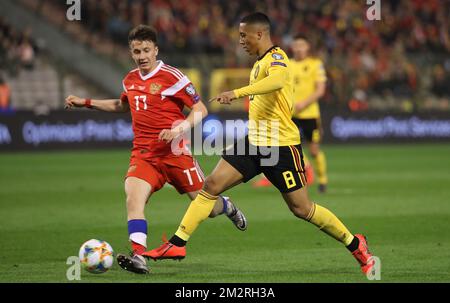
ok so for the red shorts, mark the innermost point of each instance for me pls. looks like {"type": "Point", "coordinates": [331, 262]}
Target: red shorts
{"type": "Point", "coordinates": [183, 171]}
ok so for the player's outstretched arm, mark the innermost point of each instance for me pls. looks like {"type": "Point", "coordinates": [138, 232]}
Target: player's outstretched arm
{"type": "Point", "coordinates": [198, 112]}
{"type": "Point", "coordinates": [274, 81]}
{"type": "Point", "coordinates": [107, 105]}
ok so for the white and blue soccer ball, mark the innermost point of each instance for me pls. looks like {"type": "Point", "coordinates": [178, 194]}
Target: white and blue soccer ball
{"type": "Point", "coordinates": [96, 256]}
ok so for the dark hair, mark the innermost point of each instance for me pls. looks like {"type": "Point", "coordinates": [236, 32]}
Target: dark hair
{"type": "Point", "coordinates": [302, 37]}
{"type": "Point", "coordinates": [255, 18]}
{"type": "Point", "coordinates": [143, 33]}
{"type": "Point", "coordinates": [313, 43]}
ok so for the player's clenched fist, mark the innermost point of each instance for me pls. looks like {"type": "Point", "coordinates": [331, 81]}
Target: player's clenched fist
{"type": "Point", "coordinates": [168, 135]}
{"type": "Point", "coordinates": [74, 101]}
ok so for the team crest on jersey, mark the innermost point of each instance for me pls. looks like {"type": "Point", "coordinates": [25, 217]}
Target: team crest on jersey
{"type": "Point", "coordinates": [277, 56]}
{"type": "Point", "coordinates": [190, 90]}
{"type": "Point", "coordinates": [256, 72]}
{"type": "Point", "coordinates": [155, 88]}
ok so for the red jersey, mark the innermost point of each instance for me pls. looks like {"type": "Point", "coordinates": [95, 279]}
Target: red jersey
{"type": "Point", "coordinates": [156, 101]}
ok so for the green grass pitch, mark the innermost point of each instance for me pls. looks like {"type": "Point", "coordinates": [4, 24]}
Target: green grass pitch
{"type": "Point", "coordinates": [398, 195]}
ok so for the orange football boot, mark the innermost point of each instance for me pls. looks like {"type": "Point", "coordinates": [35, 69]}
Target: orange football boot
{"type": "Point", "coordinates": [166, 251]}
{"type": "Point", "coordinates": [363, 256]}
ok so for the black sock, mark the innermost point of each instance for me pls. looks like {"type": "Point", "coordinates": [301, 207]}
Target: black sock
{"type": "Point", "coordinates": [177, 241]}
{"type": "Point", "coordinates": [354, 245]}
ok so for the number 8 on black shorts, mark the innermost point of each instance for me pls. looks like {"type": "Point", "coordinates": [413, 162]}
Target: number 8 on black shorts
{"type": "Point", "coordinates": [287, 173]}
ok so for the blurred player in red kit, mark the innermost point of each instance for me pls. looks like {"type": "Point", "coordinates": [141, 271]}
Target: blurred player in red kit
{"type": "Point", "coordinates": [156, 94]}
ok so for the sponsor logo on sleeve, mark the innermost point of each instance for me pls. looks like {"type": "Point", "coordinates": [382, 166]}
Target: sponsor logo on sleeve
{"type": "Point", "coordinates": [190, 90]}
{"type": "Point", "coordinates": [278, 63]}
{"type": "Point", "coordinates": [277, 56]}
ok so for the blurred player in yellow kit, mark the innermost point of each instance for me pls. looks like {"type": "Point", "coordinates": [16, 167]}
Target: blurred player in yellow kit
{"type": "Point", "coordinates": [309, 86]}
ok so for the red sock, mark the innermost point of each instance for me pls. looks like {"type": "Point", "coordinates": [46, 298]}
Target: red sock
{"type": "Point", "coordinates": [137, 248]}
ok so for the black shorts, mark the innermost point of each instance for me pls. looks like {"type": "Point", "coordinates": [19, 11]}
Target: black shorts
{"type": "Point", "coordinates": [310, 129]}
{"type": "Point", "coordinates": [282, 165]}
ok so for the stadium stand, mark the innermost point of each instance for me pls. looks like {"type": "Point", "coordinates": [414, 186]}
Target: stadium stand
{"type": "Point", "coordinates": [374, 64]}
{"type": "Point", "coordinates": [30, 79]}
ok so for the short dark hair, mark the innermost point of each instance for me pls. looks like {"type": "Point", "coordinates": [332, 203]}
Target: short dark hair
{"type": "Point", "coordinates": [302, 37]}
{"type": "Point", "coordinates": [255, 18]}
{"type": "Point", "coordinates": [143, 33]}
{"type": "Point", "coordinates": [314, 43]}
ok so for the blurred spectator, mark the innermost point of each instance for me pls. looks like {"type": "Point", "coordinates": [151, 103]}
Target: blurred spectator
{"type": "Point", "coordinates": [5, 94]}
{"type": "Point", "coordinates": [439, 97]}
{"type": "Point", "coordinates": [441, 83]}
{"type": "Point", "coordinates": [26, 54]}
{"type": "Point", "coordinates": [17, 49]}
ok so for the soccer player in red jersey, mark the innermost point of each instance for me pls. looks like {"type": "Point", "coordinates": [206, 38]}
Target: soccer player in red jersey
{"type": "Point", "coordinates": [156, 93]}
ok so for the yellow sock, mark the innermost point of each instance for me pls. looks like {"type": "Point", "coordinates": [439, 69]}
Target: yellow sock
{"type": "Point", "coordinates": [327, 222]}
{"type": "Point", "coordinates": [198, 210]}
{"type": "Point", "coordinates": [320, 163]}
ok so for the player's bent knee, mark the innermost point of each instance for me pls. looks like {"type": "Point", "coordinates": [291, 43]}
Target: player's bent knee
{"type": "Point", "coordinates": [212, 186]}
{"type": "Point", "coordinates": [299, 212]}
{"type": "Point", "coordinates": [301, 209]}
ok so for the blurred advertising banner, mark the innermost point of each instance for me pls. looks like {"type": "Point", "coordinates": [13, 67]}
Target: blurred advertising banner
{"type": "Point", "coordinates": [389, 128]}
{"type": "Point", "coordinates": [23, 130]}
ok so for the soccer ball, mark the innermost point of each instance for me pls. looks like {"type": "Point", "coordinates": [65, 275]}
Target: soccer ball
{"type": "Point", "coordinates": [96, 256]}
